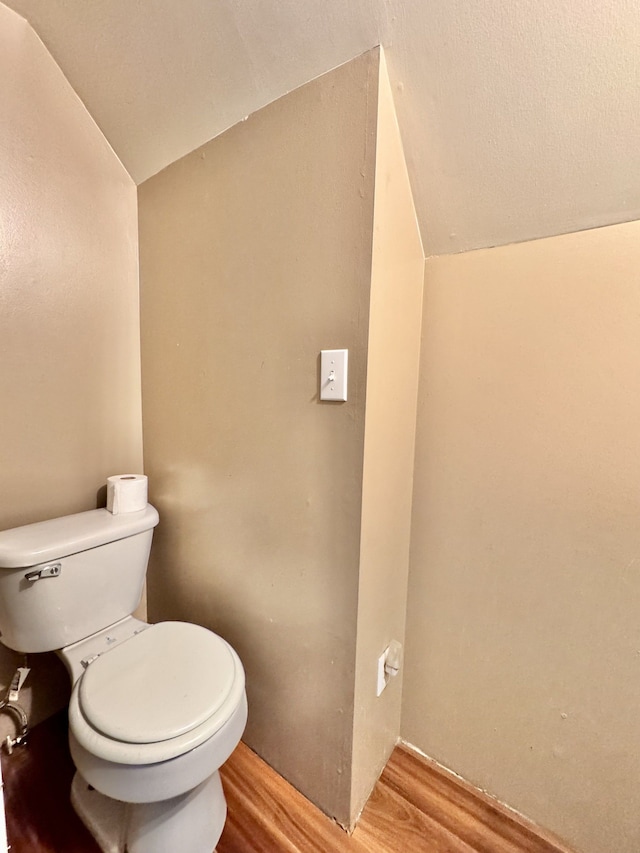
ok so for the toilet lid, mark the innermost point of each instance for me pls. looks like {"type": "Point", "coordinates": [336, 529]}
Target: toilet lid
{"type": "Point", "coordinates": [159, 684]}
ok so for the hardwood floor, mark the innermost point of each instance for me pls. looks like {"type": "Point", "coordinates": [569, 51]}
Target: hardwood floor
{"type": "Point", "coordinates": [37, 779]}
{"type": "Point", "coordinates": [415, 808]}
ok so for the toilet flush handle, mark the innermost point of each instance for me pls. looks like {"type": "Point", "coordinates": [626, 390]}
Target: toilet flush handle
{"type": "Point", "coordinates": [50, 571]}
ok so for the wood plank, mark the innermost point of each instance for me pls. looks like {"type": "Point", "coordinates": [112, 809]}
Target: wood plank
{"type": "Point", "coordinates": [481, 821]}
{"type": "Point", "coordinates": [392, 824]}
{"type": "Point", "coordinates": [416, 807]}
{"type": "Point", "coordinates": [267, 814]}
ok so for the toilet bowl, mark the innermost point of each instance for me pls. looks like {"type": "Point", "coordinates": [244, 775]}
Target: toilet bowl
{"type": "Point", "coordinates": [154, 714]}
{"type": "Point", "coordinates": [155, 709]}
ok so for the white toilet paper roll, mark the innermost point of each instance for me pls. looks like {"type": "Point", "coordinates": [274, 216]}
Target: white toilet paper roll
{"type": "Point", "coordinates": [126, 493]}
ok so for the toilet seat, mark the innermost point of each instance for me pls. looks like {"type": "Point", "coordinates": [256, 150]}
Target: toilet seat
{"type": "Point", "coordinates": [157, 695]}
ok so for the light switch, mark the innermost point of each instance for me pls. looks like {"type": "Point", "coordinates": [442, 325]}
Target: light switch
{"type": "Point", "coordinates": [333, 374]}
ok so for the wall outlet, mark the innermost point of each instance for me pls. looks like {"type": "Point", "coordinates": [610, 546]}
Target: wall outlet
{"type": "Point", "coordinates": [382, 679]}
{"type": "Point", "coordinates": [389, 664]}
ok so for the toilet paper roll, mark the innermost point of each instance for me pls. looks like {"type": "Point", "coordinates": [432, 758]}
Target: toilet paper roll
{"type": "Point", "coordinates": [126, 493]}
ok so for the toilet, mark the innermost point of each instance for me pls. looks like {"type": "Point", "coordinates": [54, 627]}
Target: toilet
{"type": "Point", "coordinates": [155, 709]}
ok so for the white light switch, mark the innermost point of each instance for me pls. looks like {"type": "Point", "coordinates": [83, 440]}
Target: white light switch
{"type": "Point", "coordinates": [333, 374]}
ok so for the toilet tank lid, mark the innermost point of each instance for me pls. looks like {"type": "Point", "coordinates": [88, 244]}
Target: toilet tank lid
{"type": "Point", "coordinates": [43, 541]}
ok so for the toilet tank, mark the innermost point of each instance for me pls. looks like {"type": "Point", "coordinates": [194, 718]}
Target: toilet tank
{"type": "Point", "coordinates": [64, 579]}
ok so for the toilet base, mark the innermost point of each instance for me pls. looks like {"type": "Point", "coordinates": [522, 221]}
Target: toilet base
{"type": "Point", "coordinates": [106, 819]}
{"type": "Point", "coordinates": [193, 821]}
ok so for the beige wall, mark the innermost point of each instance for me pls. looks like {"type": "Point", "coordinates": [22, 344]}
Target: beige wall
{"type": "Point", "coordinates": [523, 633]}
{"type": "Point", "coordinates": [255, 255]}
{"type": "Point", "coordinates": [69, 338]}
{"type": "Point", "coordinates": [392, 384]}
{"type": "Point", "coordinates": [284, 520]}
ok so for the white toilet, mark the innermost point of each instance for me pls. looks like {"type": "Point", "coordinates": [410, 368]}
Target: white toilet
{"type": "Point", "coordinates": [155, 710]}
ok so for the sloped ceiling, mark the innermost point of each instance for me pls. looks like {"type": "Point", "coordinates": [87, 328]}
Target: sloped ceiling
{"type": "Point", "coordinates": [520, 118]}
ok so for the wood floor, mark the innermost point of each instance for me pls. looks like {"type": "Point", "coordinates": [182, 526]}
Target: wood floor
{"type": "Point", "coordinates": [37, 779]}
{"type": "Point", "coordinates": [415, 808]}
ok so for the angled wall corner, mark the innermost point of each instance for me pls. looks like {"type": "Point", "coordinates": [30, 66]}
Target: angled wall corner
{"type": "Point", "coordinates": [285, 520]}
{"type": "Point", "coordinates": [393, 356]}
{"type": "Point", "coordinates": [69, 325]}
{"type": "Point", "coordinates": [255, 255]}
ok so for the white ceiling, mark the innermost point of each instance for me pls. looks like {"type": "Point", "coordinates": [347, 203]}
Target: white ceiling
{"type": "Point", "coordinates": [520, 118]}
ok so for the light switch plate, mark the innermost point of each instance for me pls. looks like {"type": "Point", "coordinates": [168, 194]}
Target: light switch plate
{"type": "Point", "coordinates": [333, 374]}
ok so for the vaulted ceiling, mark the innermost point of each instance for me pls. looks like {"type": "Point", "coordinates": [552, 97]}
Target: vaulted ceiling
{"type": "Point", "coordinates": [520, 118]}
